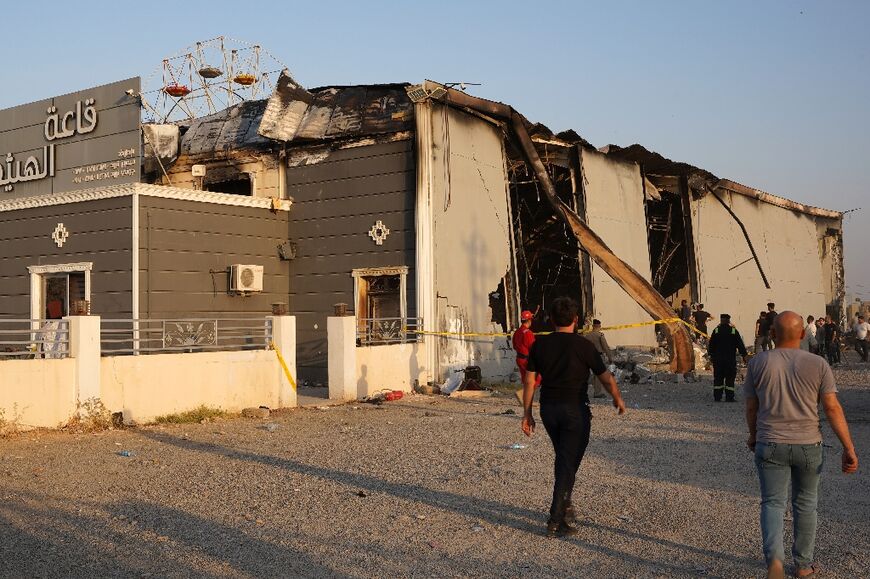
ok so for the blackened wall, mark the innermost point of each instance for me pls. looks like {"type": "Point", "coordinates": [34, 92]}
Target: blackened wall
{"type": "Point", "coordinates": [100, 231]}
{"type": "Point", "coordinates": [336, 203]}
{"type": "Point", "coordinates": [185, 248]}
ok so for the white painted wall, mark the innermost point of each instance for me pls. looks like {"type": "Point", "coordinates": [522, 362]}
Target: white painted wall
{"type": "Point", "coordinates": [787, 246]}
{"type": "Point", "coordinates": [615, 211]}
{"type": "Point", "coordinates": [393, 367]}
{"type": "Point", "coordinates": [341, 357]}
{"type": "Point", "coordinates": [144, 387]}
{"type": "Point", "coordinates": [46, 393]}
{"type": "Point", "coordinates": [38, 393]}
{"type": "Point", "coordinates": [471, 237]}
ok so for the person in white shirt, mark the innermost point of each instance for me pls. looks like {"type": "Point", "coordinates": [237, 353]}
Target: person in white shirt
{"type": "Point", "coordinates": [808, 342]}
{"type": "Point", "coordinates": [862, 337]}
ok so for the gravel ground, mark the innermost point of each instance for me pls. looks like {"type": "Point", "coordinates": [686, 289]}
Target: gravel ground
{"type": "Point", "coordinates": [420, 487]}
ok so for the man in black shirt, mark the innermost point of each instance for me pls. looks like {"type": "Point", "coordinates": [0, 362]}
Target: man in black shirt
{"type": "Point", "coordinates": [767, 327]}
{"type": "Point", "coordinates": [564, 359]}
{"type": "Point", "coordinates": [832, 340]}
{"type": "Point", "coordinates": [701, 316]}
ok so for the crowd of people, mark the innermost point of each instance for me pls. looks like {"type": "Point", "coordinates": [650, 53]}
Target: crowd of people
{"type": "Point", "coordinates": [787, 379]}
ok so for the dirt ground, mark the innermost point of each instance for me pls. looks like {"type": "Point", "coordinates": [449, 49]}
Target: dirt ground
{"type": "Point", "coordinates": [422, 487]}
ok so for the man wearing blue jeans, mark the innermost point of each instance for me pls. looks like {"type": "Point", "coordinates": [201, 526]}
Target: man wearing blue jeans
{"type": "Point", "coordinates": [783, 389]}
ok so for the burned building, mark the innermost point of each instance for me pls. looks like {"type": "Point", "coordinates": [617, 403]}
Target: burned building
{"type": "Point", "coordinates": [429, 213]}
{"type": "Point", "coordinates": [416, 210]}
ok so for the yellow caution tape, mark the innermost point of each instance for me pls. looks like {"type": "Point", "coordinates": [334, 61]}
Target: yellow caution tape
{"type": "Point", "coordinates": [619, 327]}
{"type": "Point", "coordinates": [283, 365]}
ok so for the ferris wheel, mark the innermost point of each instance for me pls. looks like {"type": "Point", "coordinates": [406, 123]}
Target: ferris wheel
{"type": "Point", "coordinates": [208, 77]}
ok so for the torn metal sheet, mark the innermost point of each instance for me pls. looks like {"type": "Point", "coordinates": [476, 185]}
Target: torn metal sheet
{"type": "Point", "coordinates": [232, 129]}
{"type": "Point", "coordinates": [161, 146]}
{"type": "Point", "coordinates": [285, 109]}
{"type": "Point", "coordinates": [327, 113]}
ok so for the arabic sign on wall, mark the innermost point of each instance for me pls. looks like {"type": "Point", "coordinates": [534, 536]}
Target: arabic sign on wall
{"type": "Point", "coordinates": [81, 140]}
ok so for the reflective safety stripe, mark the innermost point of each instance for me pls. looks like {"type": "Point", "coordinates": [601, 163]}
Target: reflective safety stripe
{"type": "Point", "coordinates": [729, 388]}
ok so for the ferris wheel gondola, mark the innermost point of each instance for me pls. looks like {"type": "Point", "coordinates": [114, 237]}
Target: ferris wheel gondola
{"type": "Point", "coordinates": [207, 77]}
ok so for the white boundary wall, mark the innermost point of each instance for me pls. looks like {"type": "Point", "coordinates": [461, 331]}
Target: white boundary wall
{"type": "Point", "coordinates": [37, 393]}
{"type": "Point", "coordinates": [46, 393]}
{"type": "Point", "coordinates": [358, 371]}
{"type": "Point", "coordinates": [145, 387]}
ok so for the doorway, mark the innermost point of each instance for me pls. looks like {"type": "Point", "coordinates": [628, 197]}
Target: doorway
{"type": "Point", "coordinates": [54, 288]}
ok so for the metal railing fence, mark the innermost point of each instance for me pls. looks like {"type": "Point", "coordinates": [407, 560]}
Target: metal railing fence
{"type": "Point", "coordinates": [160, 336]}
{"type": "Point", "coordinates": [29, 339]}
{"type": "Point", "coordinates": [381, 331]}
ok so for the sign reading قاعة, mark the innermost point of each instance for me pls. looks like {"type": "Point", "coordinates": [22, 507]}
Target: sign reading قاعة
{"type": "Point", "coordinates": [76, 141]}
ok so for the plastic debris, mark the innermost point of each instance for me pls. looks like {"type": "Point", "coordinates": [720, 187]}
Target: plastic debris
{"type": "Point", "coordinates": [477, 528]}
{"type": "Point", "coordinates": [271, 427]}
{"type": "Point", "coordinates": [126, 453]}
{"type": "Point", "coordinates": [452, 383]}
{"type": "Point", "coordinates": [517, 446]}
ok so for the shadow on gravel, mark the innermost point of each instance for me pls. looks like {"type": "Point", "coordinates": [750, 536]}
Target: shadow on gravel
{"type": "Point", "coordinates": [238, 549]}
{"type": "Point", "coordinates": [49, 542]}
{"type": "Point", "coordinates": [493, 512]}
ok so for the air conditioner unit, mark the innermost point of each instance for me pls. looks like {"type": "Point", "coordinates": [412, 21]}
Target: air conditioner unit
{"type": "Point", "coordinates": [246, 278]}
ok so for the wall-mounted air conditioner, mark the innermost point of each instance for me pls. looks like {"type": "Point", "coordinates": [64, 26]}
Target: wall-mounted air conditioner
{"type": "Point", "coordinates": [246, 278]}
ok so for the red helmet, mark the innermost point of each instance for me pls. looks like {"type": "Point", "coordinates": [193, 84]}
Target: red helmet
{"type": "Point", "coordinates": [526, 315]}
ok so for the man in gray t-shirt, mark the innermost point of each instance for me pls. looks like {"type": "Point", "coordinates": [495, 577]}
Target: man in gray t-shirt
{"type": "Point", "coordinates": [783, 389]}
{"type": "Point", "coordinates": [788, 384]}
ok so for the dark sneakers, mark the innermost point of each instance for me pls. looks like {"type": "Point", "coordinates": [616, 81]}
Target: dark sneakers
{"type": "Point", "coordinates": [570, 515]}
{"type": "Point", "coordinates": [568, 526]}
{"type": "Point", "coordinates": [561, 529]}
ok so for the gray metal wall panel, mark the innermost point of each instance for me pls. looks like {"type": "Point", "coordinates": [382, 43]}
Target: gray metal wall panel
{"type": "Point", "coordinates": [336, 202]}
{"type": "Point", "coordinates": [100, 232]}
{"type": "Point", "coordinates": [186, 247]}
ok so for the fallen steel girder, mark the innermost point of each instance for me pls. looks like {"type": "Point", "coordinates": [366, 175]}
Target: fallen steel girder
{"type": "Point", "coordinates": [628, 278]}
{"type": "Point", "coordinates": [745, 236]}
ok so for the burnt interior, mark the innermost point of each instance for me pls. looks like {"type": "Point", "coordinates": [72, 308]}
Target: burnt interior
{"type": "Point", "coordinates": [240, 185]}
{"type": "Point", "coordinates": [668, 249]}
{"type": "Point", "coordinates": [547, 254]}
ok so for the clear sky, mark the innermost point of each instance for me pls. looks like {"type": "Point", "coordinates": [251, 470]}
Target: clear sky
{"type": "Point", "coordinates": [774, 94]}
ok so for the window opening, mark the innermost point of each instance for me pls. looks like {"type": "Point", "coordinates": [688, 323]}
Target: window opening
{"type": "Point", "coordinates": [242, 185]}
{"type": "Point", "coordinates": [380, 305]}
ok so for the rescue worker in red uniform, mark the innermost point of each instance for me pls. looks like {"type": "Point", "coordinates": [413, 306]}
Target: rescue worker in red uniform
{"type": "Point", "coordinates": [522, 341]}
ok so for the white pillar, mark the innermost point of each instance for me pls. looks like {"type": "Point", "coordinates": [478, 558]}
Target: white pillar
{"type": "Point", "coordinates": [284, 337]}
{"type": "Point", "coordinates": [425, 246]}
{"type": "Point", "coordinates": [84, 347]}
{"type": "Point", "coordinates": [341, 351]}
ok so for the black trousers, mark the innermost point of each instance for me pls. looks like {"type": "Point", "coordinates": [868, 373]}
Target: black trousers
{"type": "Point", "coordinates": [833, 349]}
{"type": "Point", "coordinates": [723, 381]}
{"type": "Point", "coordinates": [568, 425]}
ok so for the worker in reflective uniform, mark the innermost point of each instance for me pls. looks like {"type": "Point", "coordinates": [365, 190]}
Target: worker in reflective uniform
{"type": "Point", "coordinates": [725, 342]}
{"type": "Point", "coordinates": [522, 341]}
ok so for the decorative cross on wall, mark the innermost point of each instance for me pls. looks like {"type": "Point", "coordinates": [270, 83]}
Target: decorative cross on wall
{"type": "Point", "coordinates": [379, 232]}
{"type": "Point", "coordinates": [60, 235]}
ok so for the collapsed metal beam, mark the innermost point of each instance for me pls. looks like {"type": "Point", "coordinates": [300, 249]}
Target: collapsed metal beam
{"type": "Point", "coordinates": [745, 236]}
{"type": "Point", "coordinates": [626, 276]}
